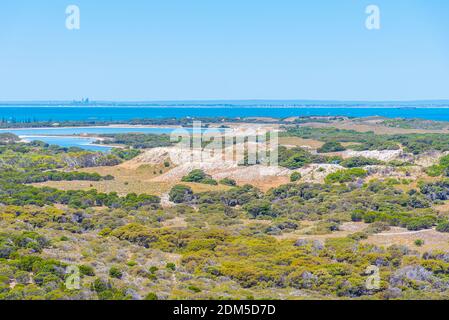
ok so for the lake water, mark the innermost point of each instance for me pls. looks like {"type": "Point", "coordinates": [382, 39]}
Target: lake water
{"type": "Point", "coordinates": [62, 136]}
{"type": "Point", "coordinates": [67, 137]}
{"type": "Point", "coordinates": [64, 141]}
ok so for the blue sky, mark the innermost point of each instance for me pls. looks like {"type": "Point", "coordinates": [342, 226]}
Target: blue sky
{"type": "Point", "coordinates": [228, 49]}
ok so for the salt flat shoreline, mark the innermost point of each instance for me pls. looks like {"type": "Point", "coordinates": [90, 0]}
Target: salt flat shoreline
{"type": "Point", "coordinates": [62, 136]}
{"type": "Point", "coordinates": [29, 138]}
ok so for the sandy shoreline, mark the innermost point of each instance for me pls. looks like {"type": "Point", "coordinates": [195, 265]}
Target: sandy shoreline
{"type": "Point", "coordinates": [29, 138]}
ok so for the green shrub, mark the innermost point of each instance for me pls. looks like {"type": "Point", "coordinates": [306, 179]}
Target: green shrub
{"type": "Point", "coordinates": [228, 182]}
{"type": "Point", "coordinates": [443, 226]}
{"type": "Point", "coordinates": [137, 141]}
{"type": "Point", "coordinates": [86, 270]}
{"type": "Point", "coordinates": [180, 194]}
{"type": "Point", "coordinates": [171, 266]}
{"type": "Point", "coordinates": [131, 263]}
{"type": "Point", "coordinates": [259, 208]}
{"type": "Point", "coordinates": [420, 223]}
{"type": "Point", "coordinates": [105, 232]}
{"type": "Point", "coordinates": [115, 272]}
{"type": "Point", "coordinates": [440, 169]}
{"type": "Point", "coordinates": [355, 162]}
{"type": "Point", "coordinates": [151, 296]}
{"type": "Point", "coordinates": [331, 146]}
{"type": "Point", "coordinates": [295, 176]}
{"type": "Point", "coordinates": [194, 289]}
{"type": "Point", "coordinates": [136, 233]}
{"type": "Point", "coordinates": [348, 175]}
{"type": "Point", "coordinates": [419, 242]}
{"type": "Point", "coordinates": [153, 269]}
{"type": "Point", "coordinates": [358, 236]}
{"type": "Point", "coordinates": [357, 215]}
{"type": "Point", "coordinates": [296, 158]}
{"type": "Point", "coordinates": [444, 161]}
{"type": "Point", "coordinates": [435, 170]}
{"type": "Point", "coordinates": [100, 285]}
{"type": "Point", "coordinates": [199, 176]}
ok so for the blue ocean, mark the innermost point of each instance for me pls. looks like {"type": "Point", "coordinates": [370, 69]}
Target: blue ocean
{"type": "Point", "coordinates": [99, 113]}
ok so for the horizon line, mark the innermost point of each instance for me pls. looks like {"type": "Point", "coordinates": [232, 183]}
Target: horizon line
{"type": "Point", "coordinates": [87, 101]}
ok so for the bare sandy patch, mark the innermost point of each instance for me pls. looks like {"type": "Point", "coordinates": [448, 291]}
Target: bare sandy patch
{"type": "Point", "coordinates": [140, 180]}
{"type": "Point", "coordinates": [126, 180]}
{"type": "Point", "coordinates": [383, 155]}
{"type": "Point", "coordinates": [429, 158]}
{"type": "Point", "coordinates": [261, 176]}
{"type": "Point", "coordinates": [299, 142]}
{"type": "Point", "coordinates": [345, 229]}
{"type": "Point", "coordinates": [246, 222]}
{"type": "Point", "coordinates": [433, 240]}
{"type": "Point", "coordinates": [442, 208]}
{"type": "Point", "coordinates": [122, 188]}
{"type": "Point", "coordinates": [153, 157]}
{"type": "Point", "coordinates": [178, 222]}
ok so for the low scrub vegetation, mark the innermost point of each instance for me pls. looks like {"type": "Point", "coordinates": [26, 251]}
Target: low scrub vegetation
{"type": "Point", "coordinates": [199, 176]}
{"type": "Point", "coordinates": [238, 242]}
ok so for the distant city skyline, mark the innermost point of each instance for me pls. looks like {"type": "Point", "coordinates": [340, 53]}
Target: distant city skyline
{"type": "Point", "coordinates": [230, 50]}
{"type": "Point", "coordinates": [439, 103]}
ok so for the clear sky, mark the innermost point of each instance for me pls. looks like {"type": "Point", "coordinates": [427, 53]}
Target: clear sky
{"type": "Point", "coordinates": [227, 49]}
